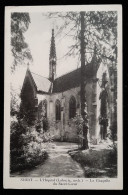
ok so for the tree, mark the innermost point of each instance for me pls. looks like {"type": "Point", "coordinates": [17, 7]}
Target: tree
{"type": "Point", "coordinates": [20, 50]}
{"type": "Point", "coordinates": [14, 104]}
{"type": "Point", "coordinates": [93, 33]}
{"type": "Point", "coordinates": [83, 97]}
{"type": "Point", "coordinates": [100, 30]}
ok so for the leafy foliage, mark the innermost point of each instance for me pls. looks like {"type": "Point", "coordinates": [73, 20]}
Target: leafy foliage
{"type": "Point", "coordinates": [45, 124]}
{"type": "Point", "coordinates": [28, 141]}
{"type": "Point", "coordinates": [27, 115]}
{"type": "Point", "coordinates": [100, 31]}
{"type": "Point", "coordinates": [20, 50]}
{"type": "Point", "coordinates": [98, 163]}
{"type": "Point", "coordinates": [27, 145]}
{"type": "Point", "coordinates": [14, 104]}
{"type": "Point", "coordinates": [78, 119]}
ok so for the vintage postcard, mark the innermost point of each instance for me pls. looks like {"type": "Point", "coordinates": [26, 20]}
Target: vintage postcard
{"type": "Point", "coordinates": [63, 97]}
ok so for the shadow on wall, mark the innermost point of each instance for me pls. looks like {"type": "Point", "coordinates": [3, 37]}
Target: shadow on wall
{"type": "Point", "coordinates": [67, 134]}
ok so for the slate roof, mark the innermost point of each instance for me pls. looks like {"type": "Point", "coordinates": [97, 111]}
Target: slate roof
{"type": "Point", "coordinates": [72, 79]}
{"type": "Point", "coordinates": [64, 82]}
{"type": "Point", "coordinates": [42, 83]}
{"type": "Point", "coordinates": [67, 81]}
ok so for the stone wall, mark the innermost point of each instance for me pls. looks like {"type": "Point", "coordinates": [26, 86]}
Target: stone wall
{"type": "Point", "coordinates": [65, 129]}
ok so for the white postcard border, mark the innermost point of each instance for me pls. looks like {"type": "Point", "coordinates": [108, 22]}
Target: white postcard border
{"type": "Point", "coordinates": [41, 183]}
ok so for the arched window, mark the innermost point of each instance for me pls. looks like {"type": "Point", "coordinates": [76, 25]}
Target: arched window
{"type": "Point", "coordinates": [72, 107]}
{"type": "Point", "coordinates": [58, 110]}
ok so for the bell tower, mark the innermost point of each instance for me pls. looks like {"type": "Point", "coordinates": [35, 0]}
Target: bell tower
{"type": "Point", "coordinates": [52, 59]}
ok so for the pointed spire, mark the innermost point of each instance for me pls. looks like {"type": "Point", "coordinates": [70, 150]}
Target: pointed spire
{"type": "Point", "coordinates": [52, 58]}
{"type": "Point", "coordinates": [52, 48]}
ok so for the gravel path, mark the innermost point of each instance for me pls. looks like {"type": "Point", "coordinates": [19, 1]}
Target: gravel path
{"type": "Point", "coordinates": [58, 164]}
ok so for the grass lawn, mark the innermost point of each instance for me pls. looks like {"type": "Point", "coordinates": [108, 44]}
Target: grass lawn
{"type": "Point", "coordinates": [98, 161]}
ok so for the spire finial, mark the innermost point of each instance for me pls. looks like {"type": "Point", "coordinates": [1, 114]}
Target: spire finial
{"type": "Point", "coordinates": [53, 25]}
{"type": "Point", "coordinates": [28, 65]}
{"type": "Point", "coordinates": [52, 32]}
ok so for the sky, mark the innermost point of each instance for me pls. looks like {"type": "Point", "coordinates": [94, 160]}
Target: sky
{"type": "Point", "coordinates": [38, 37]}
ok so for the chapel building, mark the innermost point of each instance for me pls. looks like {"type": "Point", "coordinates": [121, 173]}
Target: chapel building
{"type": "Point", "coordinates": [61, 98]}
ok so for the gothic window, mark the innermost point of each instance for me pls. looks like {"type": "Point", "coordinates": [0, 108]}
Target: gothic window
{"type": "Point", "coordinates": [58, 110]}
{"type": "Point", "coordinates": [72, 107]}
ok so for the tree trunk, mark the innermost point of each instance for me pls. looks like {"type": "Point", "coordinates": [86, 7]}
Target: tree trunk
{"type": "Point", "coordinates": [83, 98]}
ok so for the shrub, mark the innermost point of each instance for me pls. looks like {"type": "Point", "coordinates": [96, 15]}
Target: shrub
{"type": "Point", "coordinates": [79, 126]}
{"type": "Point", "coordinates": [27, 146]}
{"type": "Point", "coordinates": [45, 124]}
